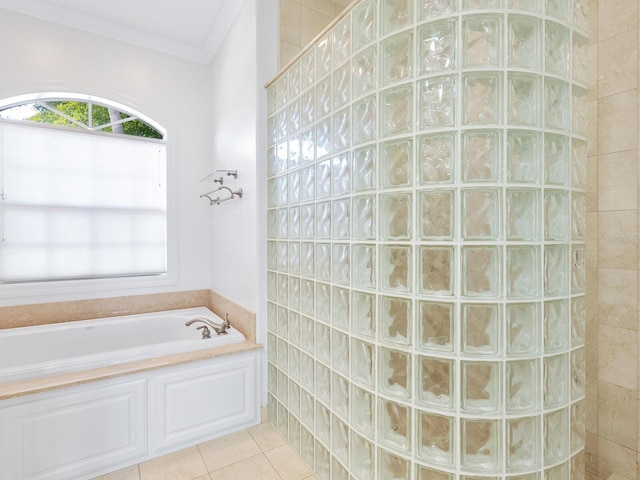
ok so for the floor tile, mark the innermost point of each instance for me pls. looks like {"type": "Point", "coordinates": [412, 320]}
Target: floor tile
{"type": "Point", "coordinates": [130, 473]}
{"type": "Point", "coordinates": [266, 436]}
{"type": "Point", "coordinates": [184, 464]}
{"type": "Point", "coordinates": [288, 463]}
{"type": "Point", "coordinates": [256, 467]}
{"type": "Point", "coordinates": [223, 451]}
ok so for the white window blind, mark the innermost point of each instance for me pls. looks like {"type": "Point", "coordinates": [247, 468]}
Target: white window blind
{"type": "Point", "coordinates": [78, 205]}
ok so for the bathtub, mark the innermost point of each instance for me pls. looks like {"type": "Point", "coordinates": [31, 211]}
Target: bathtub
{"type": "Point", "coordinates": [40, 351]}
{"type": "Point", "coordinates": [83, 399]}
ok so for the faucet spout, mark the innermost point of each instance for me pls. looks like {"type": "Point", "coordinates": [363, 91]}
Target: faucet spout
{"type": "Point", "coordinates": [220, 329]}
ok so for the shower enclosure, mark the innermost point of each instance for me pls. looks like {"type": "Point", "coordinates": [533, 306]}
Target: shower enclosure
{"type": "Point", "coordinates": [426, 226]}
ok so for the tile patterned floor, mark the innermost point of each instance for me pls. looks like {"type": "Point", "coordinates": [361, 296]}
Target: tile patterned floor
{"type": "Point", "coordinates": [258, 453]}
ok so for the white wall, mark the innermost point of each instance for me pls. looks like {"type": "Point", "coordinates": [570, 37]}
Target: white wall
{"type": "Point", "coordinates": [37, 56]}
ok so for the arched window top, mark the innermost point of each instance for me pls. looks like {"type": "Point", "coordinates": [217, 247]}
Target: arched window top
{"type": "Point", "coordinates": [80, 111]}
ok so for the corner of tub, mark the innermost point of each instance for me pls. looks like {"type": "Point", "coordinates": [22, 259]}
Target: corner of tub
{"type": "Point", "coordinates": [240, 318]}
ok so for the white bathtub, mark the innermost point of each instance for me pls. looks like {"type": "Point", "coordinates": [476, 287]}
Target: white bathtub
{"type": "Point", "coordinates": [40, 351]}
{"type": "Point", "coordinates": [77, 430]}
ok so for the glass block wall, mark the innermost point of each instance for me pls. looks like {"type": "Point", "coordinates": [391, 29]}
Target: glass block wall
{"type": "Point", "coordinates": [426, 225]}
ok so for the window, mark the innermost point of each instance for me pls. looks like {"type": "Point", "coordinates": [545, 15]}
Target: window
{"type": "Point", "coordinates": [82, 191]}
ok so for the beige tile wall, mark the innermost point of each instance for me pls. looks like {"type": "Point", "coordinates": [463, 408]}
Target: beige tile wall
{"type": "Point", "coordinates": [302, 20]}
{"type": "Point", "coordinates": [613, 260]}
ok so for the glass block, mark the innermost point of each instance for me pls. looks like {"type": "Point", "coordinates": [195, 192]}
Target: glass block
{"type": "Point", "coordinates": [395, 267]}
{"type": "Point", "coordinates": [578, 270]}
{"type": "Point", "coordinates": [578, 216]}
{"type": "Point", "coordinates": [557, 158]}
{"type": "Point", "coordinates": [293, 369]}
{"type": "Point", "coordinates": [272, 162]}
{"type": "Point", "coordinates": [481, 444]}
{"type": "Point", "coordinates": [522, 389]}
{"type": "Point", "coordinates": [362, 362]}
{"type": "Point", "coordinates": [480, 388]}
{"type": "Point", "coordinates": [557, 323]}
{"type": "Point", "coordinates": [578, 430]}
{"type": "Point", "coordinates": [307, 69]}
{"type": "Point", "coordinates": [436, 158]}
{"type": "Point", "coordinates": [340, 307]}
{"type": "Point", "coordinates": [323, 220]}
{"type": "Point", "coordinates": [481, 99]}
{"type": "Point", "coordinates": [556, 381]}
{"type": "Point", "coordinates": [481, 41]}
{"type": "Point", "coordinates": [363, 404]}
{"type": "Point", "coordinates": [578, 321]}
{"type": "Point", "coordinates": [272, 317]}
{"type": "Point", "coordinates": [436, 439]}
{"type": "Point", "coordinates": [341, 37]}
{"type": "Point", "coordinates": [307, 257]}
{"type": "Point", "coordinates": [272, 131]}
{"type": "Point", "coordinates": [323, 139]}
{"type": "Point", "coordinates": [340, 396]}
{"type": "Point", "coordinates": [481, 156]}
{"type": "Point", "coordinates": [556, 104]}
{"type": "Point", "coordinates": [556, 438]}
{"type": "Point", "coordinates": [307, 297]}
{"type": "Point", "coordinates": [397, 58]}
{"type": "Point", "coordinates": [323, 56]}
{"type": "Point", "coordinates": [524, 42]}
{"type": "Point", "coordinates": [579, 164]}
{"type": "Point", "coordinates": [307, 380]}
{"type": "Point", "coordinates": [294, 117]}
{"type": "Point", "coordinates": [396, 110]}
{"type": "Point", "coordinates": [579, 113]}
{"type": "Point", "coordinates": [364, 24]}
{"type": "Point", "coordinates": [307, 221]}
{"type": "Point", "coordinates": [436, 326]}
{"type": "Point", "coordinates": [396, 14]}
{"type": "Point", "coordinates": [529, 5]}
{"type": "Point", "coordinates": [364, 266]}
{"type": "Point", "coordinates": [396, 216]}
{"type": "Point", "coordinates": [436, 270]}
{"type": "Point", "coordinates": [272, 255]}
{"type": "Point", "coordinates": [364, 120]}
{"type": "Point", "coordinates": [272, 376]}
{"type": "Point", "coordinates": [340, 263]}
{"type": "Point", "coordinates": [523, 328]}
{"type": "Point", "coordinates": [524, 100]}
{"type": "Point", "coordinates": [341, 130]}
{"type": "Point", "coordinates": [424, 473]}
{"type": "Point", "coordinates": [394, 423]}
{"type": "Point", "coordinates": [437, 102]}
{"type": "Point", "coordinates": [308, 149]}
{"type": "Point", "coordinates": [294, 80]}
{"type": "Point", "coordinates": [395, 320]}
{"type": "Point", "coordinates": [523, 157]}
{"type": "Point", "coordinates": [283, 289]}
{"type": "Point", "coordinates": [362, 458]}
{"type": "Point", "coordinates": [437, 46]}
{"type": "Point", "coordinates": [523, 440]}
{"type": "Point", "coordinates": [282, 189]}
{"type": "Point", "coordinates": [395, 372]}
{"type": "Point", "coordinates": [481, 271]}
{"type": "Point", "coordinates": [272, 193]}
{"type": "Point", "coordinates": [581, 15]}
{"type": "Point", "coordinates": [272, 286]}
{"type": "Point", "coordinates": [340, 352]}
{"type": "Point", "coordinates": [364, 217]}
{"type": "Point", "coordinates": [283, 256]}
{"type": "Point", "coordinates": [558, 8]}
{"type": "Point", "coordinates": [323, 261]}
{"type": "Point", "coordinates": [523, 271]}
{"type": "Point", "coordinates": [397, 163]}
{"type": "Point", "coordinates": [283, 419]}
{"type": "Point", "coordinates": [323, 99]}
{"type": "Point", "coordinates": [294, 187]}
{"type": "Point", "coordinates": [523, 214]}
{"type": "Point", "coordinates": [392, 466]}
{"type": "Point", "coordinates": [307, 446]}
{"type": "Point", "coordinates": [481, 329]}
{"type": "Point", "coordinates": [323, 302]}
{"type": "Point", "coordinates": [557, 215]}
{"type": "Point", "coordinates": [341, 86]}
{"type": "Point", "coordinates": [282, 90]}
{"type": "Point", "coordinates": [435, 382]}
{"type": "Point", "coordinates": [578, 374]}
{"type": "Point", "coordinates": [307, 183]}
{"type": "Point", "coordinates": [282, 154]}
{"type": "Point", "coordinates": [307, 107]}
{"type": "Point", "coordinates": [323, 347]}
{"type": "Point", "coordinates": [338, 471]}
{"type": "Point", "coordinates": [437, 210]}
{"type": "Point", "coordinates": [478, 4]}
{"type": "Point", "coordinates": [272, 99]}
{"type": "Point", "coordinates": [580, 52]}
{"type": "Point", "coordinates": [294, 330]}
{"type": "Point", "coordinates": [364, 314]}
{"type": "Point", "coordinates": [365, 162]}
{"type": "Point", "coordinates": [322, 426]}
{"type": "Point", "coordinates": [282, 125]}
{"type": "Point", "coordinates": [481, 214]}
{"type": "Point", "coordinates": [364, 79]}
{"type": "Point", "coordinates": [323, 377]}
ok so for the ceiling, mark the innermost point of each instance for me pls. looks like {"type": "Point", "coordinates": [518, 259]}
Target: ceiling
{"type": "Point", "coordinates": [190, 29]}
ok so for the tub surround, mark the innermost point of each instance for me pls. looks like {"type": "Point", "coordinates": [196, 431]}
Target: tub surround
{"type": "Point", "coordinates": [57, 312]}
